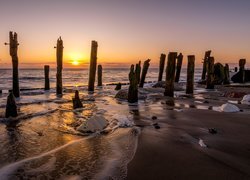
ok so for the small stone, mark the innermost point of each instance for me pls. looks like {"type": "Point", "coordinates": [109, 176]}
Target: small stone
{"type": "Point", "coordinates": [212, 131]}
{"type": "Point", "coordinates": [156, 125]}
{"type": "Point", "coordinates": [205, 102]}
{"type": "Point", "coordinates": [154, 117]}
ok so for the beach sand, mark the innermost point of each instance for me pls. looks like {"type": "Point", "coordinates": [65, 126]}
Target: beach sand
{"type": "Point", "coordinates": [173, 151]}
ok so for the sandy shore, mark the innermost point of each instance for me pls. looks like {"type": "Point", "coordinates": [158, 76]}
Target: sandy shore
{"type": "Point", "coordinates": [173, 151]}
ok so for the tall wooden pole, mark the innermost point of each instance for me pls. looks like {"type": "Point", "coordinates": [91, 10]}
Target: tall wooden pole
{"type": "Point", "coordinates": [190, 75]}
{"type": "Point", "coordinates": [99, 73]}
{"type": "Point", "coordinates": [59, 60]}
{"type": "Point", "coordinates": [92, 68]}
{"type": "Point", "coordinates": [161, 66]}
{"type": "Point", "coordinates": [144, 72]}
{"type": "Point", "coordinates": [13, 43]}
{"type": "Point", "coordinates": [178, 68]}
{"type": "Point", "coordinates": [227, 76]}
{"type": "Point", "coordinates": [138, 71]}
{"type": "Point", "coordinates": [205, 61]}
{"type": "Point", "coordinates": [242, 63]}
{"type": "Point", "coordinates": [210, 73]}
{"type": "Point", "coordinates": [133, 86]}
{"type": "Point", "coordinates": [46, 75]}
{"type": "Point", "coordinates": [170, 74]}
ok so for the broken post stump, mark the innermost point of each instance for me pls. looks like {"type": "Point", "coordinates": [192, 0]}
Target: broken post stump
{"type": "Point", "coordinates": [118, 86]}
{"type": "Point", "coordinates": [11, 107]}
{"type": "Point", "coordinates": [76, 101]}
{"type": "Point", "coordinates": [99, 74]}
{"type": "Point", "coordinates": [59, 60]}
{"type": "Point", "coordinates": [46, 74]}
{"type": "Point", "coordinates": [133, 86]}
{"type": "Point", "coordinates": [92, 67]}
{"type": "Point", "coordinates": [205, 61]}
{"type": "Point", "coordinates": [227, 76]}
{"type": "Point", "coordinates": [242, 63]}
{"type": "Point", "coordinates": [190, 75]}
{"type": "Point", "coordinates": [210, 73]}
{"type": "Point", "coordinates": [170, 74]}
{"type": "Point", "coordinates": [13, 43]}
{"type": "Point", "coordinates": [144, 72]}
{"type": "Point", "coordinates": [178, 67]}
{"type": "Point", "coordinates": [161, 66]}
{"type": "Point", "coordinates": [235, 69]}
{"type": "Point", "coordinates": [138, 71]}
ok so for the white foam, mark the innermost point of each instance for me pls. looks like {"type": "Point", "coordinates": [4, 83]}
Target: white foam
{"type": "Point", "coordinates": [228, 108]}
{"type": "Point", "coordinates": [202, 144]}
{"type": "Point", "coordinates": [123, 121]}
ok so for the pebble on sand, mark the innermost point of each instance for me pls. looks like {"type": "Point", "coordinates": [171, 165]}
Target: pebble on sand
{"type": "Point", "coordinates": [95, 123]}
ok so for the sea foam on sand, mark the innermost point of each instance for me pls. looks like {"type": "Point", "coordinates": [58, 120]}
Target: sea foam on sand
{"type": "Point", "coordinates": [227, 108]}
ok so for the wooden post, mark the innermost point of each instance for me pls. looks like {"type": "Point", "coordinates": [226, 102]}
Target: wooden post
{"type": "Point", "coordinates": [170, 74]}
{"type": "Point", "coordinates": [242, 63]}
{"type": "Point", "coordinates": [178, 68]}
{"type": "Point", "coordinates": [118, 86]}
{"type": "Point", "coordinates": [46, 74]}
{"type": "Point", "coordinates": [59, 60]}
{"type": "Point", "coordinates": [235, 69]}
{"type": "Point", "coordinates": [92, 67]}
{"type": "Point", "coordinates": [99, 73]}
{"type": "Point", "coordinates": [161, 66]}
{"type": "Point", "coordinates": [133, 86]}
{"type": "Point", "coordinates": [11, 108]}
{"type": "Point", "coordinates": [76, 101]}
{"type": "Point", "coordinates": [13, 43]}
{"type": "Point", "coordinates": [210, 73]}
{"type": "Point", "coordinates": [205, 61]}
{"type": "Point", "coordinates": [227, 76]}
{"type": "Point", "coordinates": [138, 71]}
{"type": "Point", "coordinates": [144, 72]}
{"type": "Point", "coordinates": [190, 75]}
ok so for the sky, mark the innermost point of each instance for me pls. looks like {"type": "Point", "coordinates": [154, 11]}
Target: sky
{"type": "Point", "coordinates": [126, 30]}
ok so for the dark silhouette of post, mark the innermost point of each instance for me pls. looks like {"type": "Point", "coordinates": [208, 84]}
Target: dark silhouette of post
{"type": "Point", "coordinates": [92, 68]}
{"type": "Point", "coordinates": [210, 73]}
{"type": "Point", "coordinates": [190, 75]}
{"type": "Point", "coordinates": [170, 74]}
{"type": "Point", "coordinates": [11, 107]}
{"type": "Point", "coordinates": [46, 75]}
{"type": "Point", "coordinates": [205, 61]}
{"type": "Point", "coordinates": [138, 71]}
{"type": "Point", "coordinates": [13, 43]}
{"type": "Point", "coordinates": [76, 101]}
{"type": "Point", "coordinates": [59, 60]}
{"type": "Point", "coordinates": [227, 76]}
{"type": "Point", "coordinates": [178, 67]}
{"type": "Point", "coordinates": [161, 66]}
{"type": "Point", "coordinates": [118, 86]}
{"type": "Point", "coordinates": [133, 86]}
{"type": "Point", "coordinates": [144, 72]}
{"type": "Point", "coordinates": [99, 73]}
{"type": "Point", "coordinates": [235, 69]}
{"type": "Point", "coordinates": [242, 63]}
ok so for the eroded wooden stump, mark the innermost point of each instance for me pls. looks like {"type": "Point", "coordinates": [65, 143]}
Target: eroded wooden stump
{"type": "Point", "coordinates": [99, 74]}
{"type": "Point", "coordinates": [133, 86]}
{"type": "Point", "coordinates": [205, 61]}
{"type": "Point", "coordinates": [161, 66]}
{"type": "Point", "coordinates": [190, 75]}
{"type": "Point", "coordinates": [178, 68]}
{"type": "Point", "coordinates": [118, 86]}
{"type": "Point", "coordinates": [76, 101]}
{"type": "Point", "coordinates": [210, 73]}
{"type": "Point", "coordinates": [144, 72]}
{"type": "Point", "coordinates": [46, 74]}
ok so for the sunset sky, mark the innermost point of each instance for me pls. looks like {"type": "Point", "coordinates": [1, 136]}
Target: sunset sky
{"type": "Point", "coordinates": [126, 30]}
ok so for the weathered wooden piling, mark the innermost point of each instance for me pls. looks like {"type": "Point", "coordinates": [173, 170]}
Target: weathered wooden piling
{"type": "Point", "coordinates": [59, 60]}
{"type": "Point", "coordinates": [46, 75]}
{"type": "Point", "coordinates": [144, 72]}
{"type": "Point", "coordinates": [178, 67]}
{"type": "Point", "coordinates": [227, 76]}
{"type": "Point", "coordinates": [118, 86]}
{"type": "Point", "coordinates": [99, 74]}
{"type": "Point", "coordinates": [170, 74]}
{"type": "Point", "coordinates": [92, 67]}
{"type": "Point", "coordinates": [133, 86]}
{"type": "Point", "coordinates": [76, 101]}
{"type": "Point", "coordinates": [138, 71]}
{"type": "Point", "coordinates": [11, 107]}
{"type": "Point", "coordinates": [161, 66]}
{"type": "Point", "coordinates": [210, 73]}
{"type": "Point", "coordinates": [235, 69]}
{"type": "Point", "coordinates": [13, 43]}
{"type": "Point", "coordinates": [190, 75]}
{"type": "Point", "coordinates": [242, 63]}
{"type": "Point", "coordinates": [205, 61]}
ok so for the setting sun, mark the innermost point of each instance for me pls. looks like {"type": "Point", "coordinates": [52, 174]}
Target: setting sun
{"type": "Point", "coordinates": [75, 62]}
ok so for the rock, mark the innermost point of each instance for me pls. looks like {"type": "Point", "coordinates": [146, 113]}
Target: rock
{"type": "Point", "coordinates": [95, 123]}
{"type": "Point", "coordinates": [219, 73]}
{"type": "Point", "coordinates": [122, 94]}
{"type": "Point", "coordinates": [11, 107]}
{"type": "Point", "coordinates": [156, 125]}
{"type": "Point", "coordinates": [170, 102]}
{"type": "Point", "coordinates": [162, 84]}
{"type": "Point", "coordinates": [118, 86]}
{"type": "Point", "coordinates": [228, 108]}
{"type": "Point", "coordinates": [154, 117]}
{"type": "Point", "coordinates": [212, 131]}
{"type": "Point", "coordinates": [246, 99]}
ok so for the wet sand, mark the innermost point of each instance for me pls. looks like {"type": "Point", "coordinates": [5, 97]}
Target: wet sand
{"type": "Point", "coordinates": [173, 151]}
